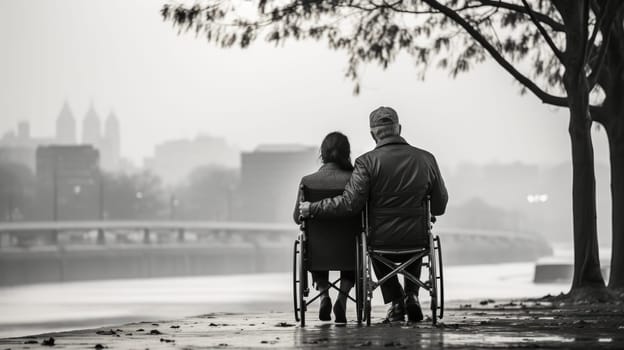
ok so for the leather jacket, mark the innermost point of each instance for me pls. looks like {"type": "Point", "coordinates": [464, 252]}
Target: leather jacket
{"type": "Point", "coordinates": [330, 177]}
{"type": "Point", "coordinates": [394, 178]}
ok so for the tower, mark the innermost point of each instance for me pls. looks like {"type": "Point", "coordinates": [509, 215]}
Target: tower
{"type": "Point", "coordinates": [112, 142]}
{"type": "Point", "coordinates": [91, 133]}
{"type": "Point", "coordinates": [65, 126]}
{"type": "Point", "coordinates": [23, 131]}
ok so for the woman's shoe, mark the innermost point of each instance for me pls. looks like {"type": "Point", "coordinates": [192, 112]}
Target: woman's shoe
{"type": "Point", "coordinates": [396, 311]}
{"type": "Point", "coordinates": [339, 313]}
{"type": "Point", "coordinates": [325, 309]}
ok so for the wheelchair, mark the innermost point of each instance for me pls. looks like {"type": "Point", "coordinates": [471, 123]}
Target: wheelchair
{"type": "Point", "coordinates": [350, 244]}
{"type": "Point", "coordinates": [421, 245]}
{"type": "Point", "coordinates": [325, 245]}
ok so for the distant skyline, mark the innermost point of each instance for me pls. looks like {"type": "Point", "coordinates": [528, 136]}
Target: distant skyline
{"type": "Point", "coordinates": [166, 86]}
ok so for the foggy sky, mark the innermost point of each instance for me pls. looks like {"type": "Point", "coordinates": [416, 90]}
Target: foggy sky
{"type": "Point", "coordinates": [123, 57]}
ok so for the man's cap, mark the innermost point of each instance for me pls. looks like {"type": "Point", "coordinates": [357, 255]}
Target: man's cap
{"type": "Point", "coordinates": [383, 116]}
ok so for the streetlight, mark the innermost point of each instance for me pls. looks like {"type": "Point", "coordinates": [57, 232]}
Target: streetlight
{"type": "Point", "coordinates": [139, 196]}
{"type": "Point", "coordinates": [535, 201]}
{"type": "Point", "coordinates": [173, 204]}
{"type": "Point", "coordinates": [537, 198]}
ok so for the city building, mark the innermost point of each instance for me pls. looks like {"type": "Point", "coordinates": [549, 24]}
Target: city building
{"type": "Point", "coordinates": [19, 147]}
{"type": "Point", "coordinates": [107, 141]}
{"type": "Point", "coordinates": [91, 128]}
{"type": "Point", "coordinates": [65, 126]}
{"type": "Point", "coordinates": [174, 160]}
{"type": "Point", "coordinates": [270, 177]}
{"type": "Point", "coordinates": [110, 143]}
{"type": "Point", "coordinates": [68, 186]}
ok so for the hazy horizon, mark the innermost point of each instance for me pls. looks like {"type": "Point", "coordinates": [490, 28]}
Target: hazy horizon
{"type": "Point", "coordinates": [122, 57]}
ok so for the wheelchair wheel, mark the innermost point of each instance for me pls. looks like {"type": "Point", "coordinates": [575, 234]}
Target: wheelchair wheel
{"type": "Point", "coordinates": [299, 283]}
{"type": "Point", "coordinates": [440, 277]}
{"type": "Point", "coordinates": [366, 280]}
{"type": "Point", "coordinates": [358, 280]}
{"type": "Point", "coordinates": [433, 282]}
{"type": "Point", "coordinates": [296, 280]}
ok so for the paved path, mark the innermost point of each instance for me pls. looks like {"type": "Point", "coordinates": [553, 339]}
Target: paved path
{"type": "Point", "coordinates": [472, 326]}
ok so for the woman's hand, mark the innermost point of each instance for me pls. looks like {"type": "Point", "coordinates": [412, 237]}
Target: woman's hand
{"type": "Point", "coordinates": [304, 209]}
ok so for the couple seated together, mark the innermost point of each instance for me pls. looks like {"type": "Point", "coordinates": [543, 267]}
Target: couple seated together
{"type": "Point", "coordinates": [392, 178]}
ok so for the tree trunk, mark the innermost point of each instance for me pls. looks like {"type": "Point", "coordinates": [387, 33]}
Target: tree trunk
{"type": "Point", "coordinates": [586, 260]}
{"type": "Point", "coordinates": [587, 273]}
{"type": "Point", "coordinates": [611, 116]}
{"type": "Point", "coordinates": [615, 134]}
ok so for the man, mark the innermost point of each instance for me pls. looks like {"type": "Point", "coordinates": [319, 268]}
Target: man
{"type": "Point", "coordinates": [394, 178]}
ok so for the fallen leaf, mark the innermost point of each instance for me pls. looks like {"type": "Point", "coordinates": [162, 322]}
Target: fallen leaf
{"type": "Point", "coordinates": [284, 324]}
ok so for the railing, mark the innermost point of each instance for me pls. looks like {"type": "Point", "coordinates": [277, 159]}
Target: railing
{"type": "Point", "coordinates": [37, 252]}
{"type": "Point", "coordinates": [106, 232]}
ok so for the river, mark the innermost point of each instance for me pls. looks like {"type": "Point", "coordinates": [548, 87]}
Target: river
{"type": "Point", "coordinates": [33, 309]}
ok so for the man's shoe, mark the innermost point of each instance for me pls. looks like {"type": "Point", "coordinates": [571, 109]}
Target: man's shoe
{"type": "Point", "coordinates": [325, 309]}
{"type": "Point", "coordinates": [396, 311]}
{"type": "Point", "coordinates": [414, 312]}
{"type": "Point", "coordinates": [339, 313]}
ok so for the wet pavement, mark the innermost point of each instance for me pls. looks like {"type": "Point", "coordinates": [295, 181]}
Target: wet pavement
{"type": "Point", "coordinates": [467, 325]}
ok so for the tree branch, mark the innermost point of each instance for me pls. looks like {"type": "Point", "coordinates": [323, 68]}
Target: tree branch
{"type": "Point", "coordinates": [598, 114]}
{"type": "Point", "coordinates": [597, 28]}
{"type": "Point", "coordinates": [528, 83]}
{"type": "Point", "coordinates": [543, 31]}
{"type": "Point", "coordinates": [556, 26]}
{"type": "Point", "coordinates": [609, 13]}
{"type": "Point", "coordinates": [592, 79]}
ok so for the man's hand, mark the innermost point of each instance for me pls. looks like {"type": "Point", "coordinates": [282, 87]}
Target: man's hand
{"type": "Point", "coordinates": [304, 209]}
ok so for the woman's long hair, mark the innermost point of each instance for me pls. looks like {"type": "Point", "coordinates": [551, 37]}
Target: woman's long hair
{"type": "Point", "coordinates": [335, 148]}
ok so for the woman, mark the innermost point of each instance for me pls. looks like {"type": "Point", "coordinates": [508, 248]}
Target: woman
{"type": "Point", "coordinates": [333, 174]}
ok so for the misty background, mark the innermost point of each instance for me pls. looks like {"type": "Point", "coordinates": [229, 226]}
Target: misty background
{"type": "Point", "coordinates": [163, 127]}
{"type": "Point", "coordinates": [119, 57]}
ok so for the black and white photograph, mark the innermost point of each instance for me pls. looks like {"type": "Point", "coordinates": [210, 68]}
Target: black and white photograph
{"type": "Point", "coordinates": [281, 174]}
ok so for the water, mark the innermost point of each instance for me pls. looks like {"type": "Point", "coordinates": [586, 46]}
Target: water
{"type": "Point", "coordinates": [34, 309]}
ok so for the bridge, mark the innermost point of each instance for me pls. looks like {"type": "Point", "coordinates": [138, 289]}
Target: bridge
{"type": "Point", "coordinates": [53, 251]}
{"type": "Point", "coordinates": [239, 228]}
